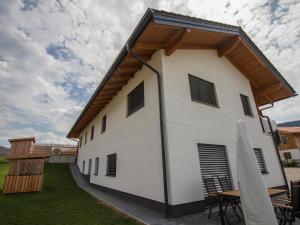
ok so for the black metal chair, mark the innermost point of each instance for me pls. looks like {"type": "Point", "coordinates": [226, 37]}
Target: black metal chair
{"type": "Point", "coordinates": [212, 193]}
{"type": "Point", "coordinates": [212, 196]}
{"type": "Point", "coordinates": [226, 185]}
{"type": "Point", "coordinates": [288, 209]}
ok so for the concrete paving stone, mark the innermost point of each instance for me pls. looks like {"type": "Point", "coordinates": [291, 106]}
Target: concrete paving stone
{"type": "Point", "coordinates": [145, 215]}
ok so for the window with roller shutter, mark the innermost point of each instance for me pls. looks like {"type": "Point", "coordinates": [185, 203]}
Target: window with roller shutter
{"type": "Point", "coordinates": [213, 162]}
{"type": "Point", "coordinates": [260, 159]}
{"type": "Point", "coordinates": [246, 105]}
{"type": "Point", "coordinates": [202, 91]}
{"type": "Point", "coordinates": [96, 166]}
{"type": "Point", "coordinates": [111, 167]}
{"type": "Point", "coordinates": [90, 166]}
{"type": "Point", "coordinates": [135, 99]}
{"type": "Point", "coordinates": [83, 166]}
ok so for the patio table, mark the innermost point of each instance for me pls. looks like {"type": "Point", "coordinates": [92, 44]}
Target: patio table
{"type": "Point", "coordinates": [235, 194]}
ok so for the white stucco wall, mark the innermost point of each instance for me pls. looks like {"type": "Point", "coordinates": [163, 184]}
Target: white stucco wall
{"type": "Point", "coordinates": [135, 139]}
{"type": "Point", "coordinates": [189, 122]}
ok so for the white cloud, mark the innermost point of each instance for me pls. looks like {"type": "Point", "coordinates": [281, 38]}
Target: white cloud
{"type": "Point", "coordinates": [43, 95]}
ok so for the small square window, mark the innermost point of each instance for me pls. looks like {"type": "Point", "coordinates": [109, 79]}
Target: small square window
{"type": "Point", "coordinates": [135, 99]}
{"type": "Point", "coordinates": [103, 127]}
{"type": "Point", "coordinates": [287, 155]}
{"type": "Point", "coordinates": [246, 105]}
{"type": "Point", "coordinates": [111, 167]}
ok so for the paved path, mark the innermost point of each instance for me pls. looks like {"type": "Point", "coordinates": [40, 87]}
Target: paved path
{"type": "Point", "coordinates": [292, 173]}
{"type": "Point", "coordinates": [145, 215]}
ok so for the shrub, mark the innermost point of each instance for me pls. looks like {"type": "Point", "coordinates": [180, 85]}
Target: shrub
{"type": "Point", "coordinates": [290, 163]}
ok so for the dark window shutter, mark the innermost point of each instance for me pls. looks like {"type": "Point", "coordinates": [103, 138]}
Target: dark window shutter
{"type": "Point", "coordinates": [85, 138]}
{"type": "Point", "coordinates": [90, 167]}
{"type": "Point", "coordinates": [96, 166]}
{"type": "Point", "coordinates": [80, 141]}
{"type": "Point", "coordinates": [213, 163]}
{"type": "Point", "coordinates": [92, 132]}
{"type": "Point", "coordinates": [202, 91]}
{"type": "Point", "coordinates": [83, 166]}
{"type": "Point", "coordinates": [103, 127]}
{"type": "Point", "coordinates": [135, 99]}
{"type": "Point", "coordinates": [260, 159]}
{"type": "Point", "coordinates": [111, 168]}
{"type": "Point", "coordinates": [246, 105]}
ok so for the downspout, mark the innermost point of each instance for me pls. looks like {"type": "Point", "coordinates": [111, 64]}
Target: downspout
{"type": "Point", "coordinates": [162, 129]}
{"type": "Point", "coordinates": [275, 144]}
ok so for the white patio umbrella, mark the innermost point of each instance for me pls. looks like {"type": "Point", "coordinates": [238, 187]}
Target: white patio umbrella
{"type": "Point", "coordinates": [256, 203]}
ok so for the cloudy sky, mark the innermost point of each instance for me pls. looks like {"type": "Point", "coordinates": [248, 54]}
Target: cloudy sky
{"type": "Point", "coordinates": [53, 54]}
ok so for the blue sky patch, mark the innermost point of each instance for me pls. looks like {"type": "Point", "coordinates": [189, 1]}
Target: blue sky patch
{"type": "Point", "coordinates": [60, 52]}
{"type": "Point", "coordinates": [78, 93]}
{"type": "Point", "coordinates": [29, 5]}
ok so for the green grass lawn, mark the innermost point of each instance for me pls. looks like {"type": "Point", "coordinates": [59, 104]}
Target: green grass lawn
{"type": "Point", "coordinates": [60, 203]}
{"type": "Point", "coordinates": [4, 167]}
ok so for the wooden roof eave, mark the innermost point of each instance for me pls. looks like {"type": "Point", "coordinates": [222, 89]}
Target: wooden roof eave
{"type": "Point", "coordinates": [137, 31]}
{"type": "Point", "coordinates": [176, 21]}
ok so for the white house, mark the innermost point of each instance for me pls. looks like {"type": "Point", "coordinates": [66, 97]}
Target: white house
{"type": "Point", "coordinates": [165, 114]}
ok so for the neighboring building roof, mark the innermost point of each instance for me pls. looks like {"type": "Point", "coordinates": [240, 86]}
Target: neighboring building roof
{"type": "Point", "coordinates": [22, 139]}
{"type": "Point", "coordinates": [295, 123]}
{"type": "Point", "coordinates": [289, 130]}
{"type": "Point", "coordinates": [170, 31]}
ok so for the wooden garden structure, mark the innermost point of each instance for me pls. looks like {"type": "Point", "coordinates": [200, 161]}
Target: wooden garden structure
{"type": "Point", "coordinates": [27, 161]}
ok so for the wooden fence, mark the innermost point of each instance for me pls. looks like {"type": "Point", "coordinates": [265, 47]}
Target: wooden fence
{"type": "Point", "coordinates": [26, 167]}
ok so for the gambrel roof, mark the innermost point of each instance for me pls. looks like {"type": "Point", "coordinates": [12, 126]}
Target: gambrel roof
{"type": "Point", "coordinates": [169, 31]}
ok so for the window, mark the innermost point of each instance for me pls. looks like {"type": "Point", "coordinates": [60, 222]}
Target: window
{"type": "Point", "coordinates": [213, 162]}
{"type": "Point", "coordinates": [83, 166]}
{"type": "Point", "coordinates": [135, 99]}
{"type": "Point", "coordinates": [202, 91]}
{"type": "Point", "coordinates": [111, 165]}
{"type": "Point", "coordinates": [260, 159]}
{"type": "Point", "coordinates": [287, 155]}
{"type": "Point", "coordinates": [284, 139]}
{"type": "Point", "coordinates": [96, 166]}
{"type": "Point", "coordinates": [92, 132]}
{"type": "Point", "coordinates": [85, 138]}
{"type": "Point", "coordinates": [90, 167]}
{"type": "Point", "coordinates": [80, 141]}
{"type": "Point", "coordinates": [246, 105]}
{"type": "Point", "coordinates": [103, 127]}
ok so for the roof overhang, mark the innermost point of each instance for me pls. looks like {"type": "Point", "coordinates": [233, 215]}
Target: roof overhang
{"type": "Point", "coordinates": [162, 30]}
{"type": "Point", "coordinates": [289, 130]}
